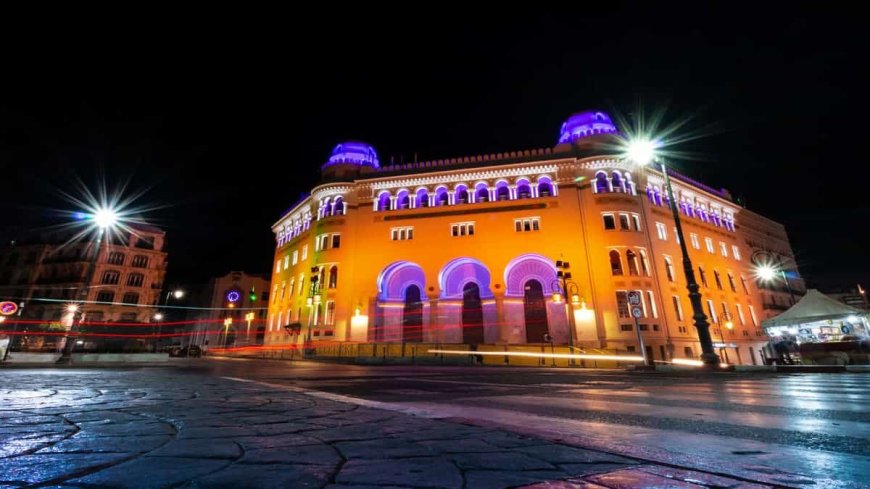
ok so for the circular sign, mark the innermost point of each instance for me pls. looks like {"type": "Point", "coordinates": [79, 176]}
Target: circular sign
{"type": "Point", "coordinates": [636, 312]}
{"type": "Point", "coordinates": [8, 308]}
{"type": "Point", "coordinates": [233, 296]}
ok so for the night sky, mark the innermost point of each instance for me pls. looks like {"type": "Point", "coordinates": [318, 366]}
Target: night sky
{"type": "Point", "coordinates": [226, 118]}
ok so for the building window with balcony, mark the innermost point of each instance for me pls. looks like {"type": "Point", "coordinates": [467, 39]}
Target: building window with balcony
{"type": "Point", "coordinates": [662, 231]}
{"type": "Point", "coordinates": [695, 243]}
{"type": "Point", "coordinates": [105, 296]}
{"type": "Point", "coordinates": [615, 263]}
{"type": "Point", "coordinates": [135, 279]}
{"type": "Point", "coordinates": [140, 261]}
{"type": "Point", "coordinates": [527, 224]}
{"type": "Point", "coordinates": [462, 229]}
{"type": "Point", "coordinates": [669, 268]}
{"type": "Point", "coordinates": [131, 298]}
{"type": "Point", "coordinates": [110, 277]}
{"type": "Point", "coordinates": [609, 222]}
{"type": "Point", "coordinates": [116, 258]}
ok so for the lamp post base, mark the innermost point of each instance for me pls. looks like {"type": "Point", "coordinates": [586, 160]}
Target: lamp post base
{"type": "Point", "coordinates": [711, 361]}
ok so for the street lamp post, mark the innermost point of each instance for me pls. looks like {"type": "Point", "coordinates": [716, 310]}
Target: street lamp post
{"type": "Point", "coordinates": [177, 294]}
{"type": "Point", "coordinates": [312, 302]}
{"type": "Point", "coordinates": [768, 266]}
{"type": "Point", "coordinates": [643, 152]}
{"type": "Point", "coordinates": [227, 323]}
{"type": "Point", "coordinates": [571, 291]}
{"type": "Point", "coordinates": [157, 317]}
{"type": "Point", "coordinates": [104, 219]}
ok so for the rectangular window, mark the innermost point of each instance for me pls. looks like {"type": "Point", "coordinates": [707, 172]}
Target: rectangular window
{"type": "Point", "coordinates": [626, 327]}
{"type": "Point", "coordinates": [676, 236]}
{"type": "Point", "coordinates": [743, 282]}
{"type": "Point", "coordinates": [752, 315]}
{"type": "Point", "coordinates": [731, 282]}
{"type": "Point", "coordinates": [609, 222]}
{"type": "Point", "coordinates": [336, 240]}
{"type": "Point", "coordinates": [709, 242]}
{"type": "Point", "coordinates": [662, 231]}
{"type": "Point", "coordinates": [711, 311]}
{"type": "Point", "coordinates": [687, 350]}
{"type": "Point", "coordinates": [740, 314]}
{"type": "Point", "coordinates": [735, 251]}
{"type": "Point", "coordinates": [105, 296]}
{"type": "Point", "coordinates": [286, 262]}
{"type": "Point", "coordinates": [678, 308]}
{"type": "Point", "coordinates": [305, 252]}
{"type": "Point", "coordinates": [703, 276]}
{"type": "Point", "coordinates": [683, 329]}
{"type": "Point", "coordinates": [669, 268]}
{"type": "Point", "coordinates": [279, 318]}
{"type": "Point", "coordinates": [724, 249]}
{"type": "Point", "coordinates": [301, 284]}
{"type": "Point", "coordinates": [622, 304]}
{"type": "Point", "coordinates": [295, 257]}
{"type": "Point", "coordinates": [283, 289]}
{"type": "Point", "coordinates": [271, 321]}
{"type": "Point", "coordinates": [275, 294]}
{"type": "Point", "coordinates": [623, 222]}
{"type": "Point", "coordinates": [527, 224]}
{"type": "Point", "coordinates": [278, 266]}
{"type": "Point", "coordinates": [652, 304]}
{"type": "Point", "coordinates": [643, 327]}
{"type": "Point", "coordinates": [636, 220]}
{"type": "Point", "coordinates": [462, 229]}
{"type": "Point", "coordinates": [330, 313]}
{"type": "Point", "coordinates": [718, 279]}
{"type": "Point", "coordinates": [695, 243]}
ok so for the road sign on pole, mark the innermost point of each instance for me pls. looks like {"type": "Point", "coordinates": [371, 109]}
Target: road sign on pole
{"type": "Point", "coordinates": [636, 312]}
{"type": "Point", "coordinates": [634, 298]}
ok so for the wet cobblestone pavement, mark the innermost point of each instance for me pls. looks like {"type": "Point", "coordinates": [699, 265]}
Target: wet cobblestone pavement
{"type": "Point", "coordinates": [162, 427]}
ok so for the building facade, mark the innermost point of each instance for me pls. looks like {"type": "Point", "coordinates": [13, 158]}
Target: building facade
{"type": "Point", "coordinates": [465, 250]}
{"type": "Point", "coordinates": [45, 272]}
{"type": "Point", "coordinates": [241, 297]}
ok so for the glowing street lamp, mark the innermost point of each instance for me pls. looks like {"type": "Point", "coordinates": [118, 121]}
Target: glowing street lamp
{"type": "Point", "coordinates": [767, 268]}
{"type": "Point", "coordinates": [103, 219]}
{"type": "Point", "coordinates": [642, 152]}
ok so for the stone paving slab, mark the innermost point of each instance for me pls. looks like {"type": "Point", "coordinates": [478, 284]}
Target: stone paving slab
{"type": "Point", "coordinates": [160, 428]}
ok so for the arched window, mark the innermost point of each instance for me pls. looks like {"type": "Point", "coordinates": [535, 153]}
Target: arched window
{"type": "Point", "coordinates": [338, 206]}
{"type": "Point", "coordinates": [422, 198]}
{"type": "Point", "coordinates": [384, 201]}
{"type": "Point", "coordinates": [502, 192]}
{"type": "Point", "coordinates": [135, 279]}
{"type": "Point", "coordinates": [545, 187]}
{"type": "Point", "coordinates": [601, 183]}
{"type": "Point", "coordinates": [616, 181]}
{"type": "Point", "coordinates": [325, 208]}
{"type": "Point", "coordinates": [615, 263]}
{"type": "Point", "coordinates": [441, 196]}
{"type": "Point", "coordinates": [472, 315]}
{"type": "Point", "coordinates": [644, 263]}
{"type": "Point", "coordinates": [402, 200]}
{"type": "Point", "coordinates": [333, 277]}
{"type": "Point", "coordinates": [631, 257]}
{"type": "Point", "coordinates": [627, 183]}
{"type": "Point", "coordinates": [321, 280]}
{"type": "Point", "coordinates": [461, 195]}
{"type": "Point", "coordinates": [524, 191]}
{"type": "Point", "coordinates": [412, 315]}
{"type": "Point", "coordinates": [481, 193]}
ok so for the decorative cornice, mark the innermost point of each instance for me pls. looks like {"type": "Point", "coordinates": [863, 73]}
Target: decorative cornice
{"type": "Point", "coordinates": [466, 177]}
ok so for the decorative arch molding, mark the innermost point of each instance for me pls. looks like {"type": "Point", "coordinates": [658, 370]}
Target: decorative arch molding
{"type": "Point", "coordinates": [461, 271]}
{"type": "Point", "coordinates": [529, 267]}
{"type": "Point", "coordinates": [394, 280]}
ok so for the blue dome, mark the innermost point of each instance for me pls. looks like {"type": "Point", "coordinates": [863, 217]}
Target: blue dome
{"type": "Point", "coordinates": [584, 124]}
{"type": "Point", "coordinates": [354, 153]}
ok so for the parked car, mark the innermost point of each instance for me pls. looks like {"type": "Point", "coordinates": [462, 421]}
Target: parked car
{"type": "Point", "coordinates": [195, 351]}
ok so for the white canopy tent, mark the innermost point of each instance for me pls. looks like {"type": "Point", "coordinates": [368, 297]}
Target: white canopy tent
{"type": "Point", "coordinates": [817, 317]}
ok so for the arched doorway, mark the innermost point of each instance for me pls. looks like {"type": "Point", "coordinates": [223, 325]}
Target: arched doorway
{"type": "Point", "coordinates": [535, 311]}
{"type": "Point", "coordinates": [412, 315]}
{"type": "Point", "coordinates": [472, 315]}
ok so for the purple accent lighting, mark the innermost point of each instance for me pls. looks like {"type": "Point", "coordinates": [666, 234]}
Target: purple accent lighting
{"type": "Point", "coordinates": [353, 153]}
{"type": "Point", "coordinates": [583, 124]}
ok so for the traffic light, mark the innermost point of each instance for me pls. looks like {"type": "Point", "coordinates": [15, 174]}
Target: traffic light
{"type": "Point", "coordinates": [253, 295]}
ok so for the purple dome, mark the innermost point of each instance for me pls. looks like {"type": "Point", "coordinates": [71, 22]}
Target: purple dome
{"type": "Point", "coordinates": [583, 124]}
{"type": "Point", "coordinates": [354, 153]}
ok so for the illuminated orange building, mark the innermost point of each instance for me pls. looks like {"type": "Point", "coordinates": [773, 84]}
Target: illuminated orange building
{"type": "Point", "coordinates": [464, 250]}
